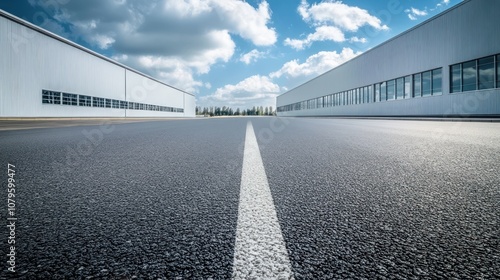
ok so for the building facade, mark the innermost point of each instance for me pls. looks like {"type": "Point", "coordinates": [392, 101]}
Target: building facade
{"type": "Point", "coordinates": [448, 66]}
{"type": "Point", "coordinates": [44, 75]}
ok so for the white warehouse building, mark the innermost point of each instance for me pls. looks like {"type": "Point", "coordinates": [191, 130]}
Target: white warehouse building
{"type": "Point", "coordinates": [45, 75]}
{"type": "Point", "coordinates": [447, 66]}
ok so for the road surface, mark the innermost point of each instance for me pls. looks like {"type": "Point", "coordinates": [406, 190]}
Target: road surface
{"type": "Point", "coordinates": [300, 199]}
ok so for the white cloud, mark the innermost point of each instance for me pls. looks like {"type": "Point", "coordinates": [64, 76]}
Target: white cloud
{"type": "Point", "coordinates": [251, 56]}
{"type": "Point", "coordinates": [315, 64]}
{"type": "Point", "coordinates": [441, 4]}
{"type": "Point", "coordinates": [357, 40]}
{"type": "Point", "coordinates": [249, 23]}
{"type": "Point", "coordinates": [322, 33]}
{"type": "Point", "coordinates": [339, 14]}
{"type": "Point", "coordinates": [331, 19]}
{"type": "Point", "coordinates": [414, 13]}
{"type": "Point", "coordinates": [253, 91]}
{"type": "Point", "coordinates": [103, 41]}
{"type": "Point", "coordinates": [172, 40]}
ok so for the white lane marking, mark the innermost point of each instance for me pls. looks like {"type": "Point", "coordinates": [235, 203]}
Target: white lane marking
{"type": "Point", "coordinates": [260, 251]}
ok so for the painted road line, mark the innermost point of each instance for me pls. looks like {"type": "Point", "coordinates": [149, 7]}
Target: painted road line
{"type": "Point", "coordinates": [260, 251]}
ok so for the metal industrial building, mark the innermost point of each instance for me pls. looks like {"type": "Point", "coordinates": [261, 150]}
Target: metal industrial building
{"type": "Point", "coordinates": [447, 66]}
{"type": "Point", "coordinates": [45, 75]}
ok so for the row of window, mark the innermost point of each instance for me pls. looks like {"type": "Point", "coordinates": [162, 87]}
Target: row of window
{"type": "Point", "coordinates": [421, 84]}
{"type": "Point", "coordinates": [483, 73]}
{"type": "Point", "coordinates": [54, 97]}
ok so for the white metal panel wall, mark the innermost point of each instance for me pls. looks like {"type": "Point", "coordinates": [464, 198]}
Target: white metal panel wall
{"type": "Point", "coordinates": [40, 62]}
{"type": "Point", "coordinates": [189, 105]}
{"type": "Point", "coordinates": [31, 61]}
{"type": "Point", "coordinates": [466, 32]}
{"type": "Point", "coordinates": [144, 90]}
{"type": "Point", "coordinates": [6, 99]}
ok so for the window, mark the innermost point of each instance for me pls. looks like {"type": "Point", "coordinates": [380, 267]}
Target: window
{"type": "Point", "coordinates": [108, 103]}
{"type": "Point", "coordinates": [417, 85]}
{"type": "Point", "coordinates": [98, 102]}
{"type": "Point", "coordinates": [407, 89]}
{"type": "Point", "coordinates": [377, 92]}
{"type": "Point", "coordinates": [469, 76]}
{"type": "Point", "coordinates": [456, 78]}
{"type": "Point", "coordinates": [391, 89]}
{"type": "Point", "coordinates": [400, 88]}
{"type": "Point", "coordinates": [426, 83]}
{"type": "Point", "coordinates": [115, 103]}
{"type": "Point", "coordinates": [84, 100]}
{"type": "Point", "coordinates": [437, 81]}
{"type": "Point", "coordinates": [383, 92]}
{"type": "Point", "coordinates": [123, 105]}
{"type": "Point", "coordinates": [51, 97]}
{"type": "Point", "coordinates": [486, 67]}
{"type": "Point", "coordinates": [69, 99]}
{"type": "Point", "coordinates": [498, 70]}
{"type": "Point", "coordinates": [370, 94]}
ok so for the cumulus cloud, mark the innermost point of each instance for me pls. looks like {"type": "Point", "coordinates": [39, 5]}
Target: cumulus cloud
{"type": "Point", "coordinates": [322, 33]}
{"type": "Point", "coordinates": [331, 20]}
{"type": "Point", "coordinates": [345, 17]}
{"type": "Point", "coordinates": [357, 40]}
{"type": "Point", "coordinates": [315, 64]}
{"type": "Point", "coordinates": [414, 13]}
{"type": "Point", "coordinates": [251, 56]}
{"type": "Point", "coordinates": [171, 40]}
{"type": "Point", "coordinates": [256, 90]}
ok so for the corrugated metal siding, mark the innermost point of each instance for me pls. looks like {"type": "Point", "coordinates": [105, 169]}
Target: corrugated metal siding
{"type": "Point", "coordinates": [189, 105]}
{"type": "Point", "coordinates": [143, 90]}
{"type": "Point", "coordinates": [468, 31]}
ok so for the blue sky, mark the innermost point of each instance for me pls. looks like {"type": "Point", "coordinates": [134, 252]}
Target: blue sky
{"type": "Point", "coordinates": [229, 52]}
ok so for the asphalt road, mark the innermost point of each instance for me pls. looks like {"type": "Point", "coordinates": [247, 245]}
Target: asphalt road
{"type": "Point", "coordinates": [361, 199]}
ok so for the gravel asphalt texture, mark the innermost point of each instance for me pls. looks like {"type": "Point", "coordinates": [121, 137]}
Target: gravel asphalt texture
{"type": "Point", "coordinates": [359, 199]}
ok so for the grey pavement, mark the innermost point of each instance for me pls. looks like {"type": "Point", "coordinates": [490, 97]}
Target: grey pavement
{"type": "Point", "coordinates": [360, 199]}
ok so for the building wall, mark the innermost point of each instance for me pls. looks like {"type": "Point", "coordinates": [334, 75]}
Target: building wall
{"type": "Point", "coordinates": [33, 60]}
{"type": "Point", "coordinates": [467, 31]}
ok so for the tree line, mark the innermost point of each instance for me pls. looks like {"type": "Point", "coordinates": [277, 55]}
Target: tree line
{"type": "Point", "coordinates": [228, 111]}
